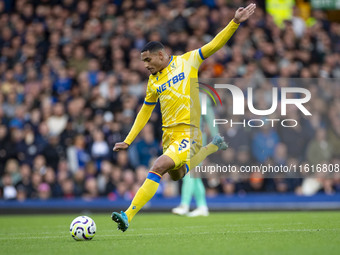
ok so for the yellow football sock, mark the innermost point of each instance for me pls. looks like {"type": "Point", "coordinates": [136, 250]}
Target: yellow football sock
{"type": "Point", "coordinates": [144, 194]}
{"type": "Point", "coordinates": [202, 154]}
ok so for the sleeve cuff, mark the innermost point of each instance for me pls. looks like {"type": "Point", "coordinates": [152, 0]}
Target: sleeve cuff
{"type": "Point", "coordinates": [234, 23]}
{"type": "Point", "coordinates": [127, 142]}
{"type": "Point", "coordinates": [201, 54]}
{"type": "Point", "coordinates": [150, 103]}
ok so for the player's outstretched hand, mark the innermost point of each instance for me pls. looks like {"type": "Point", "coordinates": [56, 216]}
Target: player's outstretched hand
{"type": "Point", "coordinates": [242, 14]}
{"type": "Point", "coordinates": [120, 146]}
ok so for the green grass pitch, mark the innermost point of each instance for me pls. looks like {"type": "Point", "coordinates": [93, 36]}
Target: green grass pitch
{"type": "Point", "coordinates": [163, 233]}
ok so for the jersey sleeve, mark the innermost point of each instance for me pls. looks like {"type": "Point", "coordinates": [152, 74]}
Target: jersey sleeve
{"type": "Point", "coordinates": [219, 40]}
{"type": "Point", "coordinates": [142, 118]}
{"type": "Point", "coordinates": [195, 57]}
{"type": "Point", "coordinates": [151, 96]}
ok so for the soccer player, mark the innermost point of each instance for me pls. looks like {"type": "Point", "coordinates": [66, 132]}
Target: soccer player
{"type": "Point", "coordinates": [170, 83]}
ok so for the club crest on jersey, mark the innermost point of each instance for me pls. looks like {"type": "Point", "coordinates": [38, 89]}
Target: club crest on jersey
{"type": "Point", "coordinates": [173, 66]}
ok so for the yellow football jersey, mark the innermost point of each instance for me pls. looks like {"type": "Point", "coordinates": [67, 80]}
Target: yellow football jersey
{"type": "Point", "coordinates": [176, 87]}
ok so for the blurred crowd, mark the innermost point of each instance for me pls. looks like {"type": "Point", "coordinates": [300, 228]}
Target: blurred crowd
{"type": "Point", "coordinates": [72, 83]}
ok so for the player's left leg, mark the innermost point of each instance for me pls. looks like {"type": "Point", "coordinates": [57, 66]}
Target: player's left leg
{"type": "Point", "coordinates": [217, 144]}
{"type": "Point", "coordinates": [179, 171]}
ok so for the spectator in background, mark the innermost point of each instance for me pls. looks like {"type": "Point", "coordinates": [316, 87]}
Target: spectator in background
{"type": "Point", "coordinates": [319, 150]}
{"type": "Point", "coordinates": [93, 72]}
{"type": "Point", "coordinates": [11, 104]}
{"type": "Point", "coordinates": [91, 188]}
{"type": "Point", "coordinates": [4, 147]}
{"type": "Point", "coordinates": [333, 132]}
{"type": "Point", "coordinates": [90, 170]}
{"type": "Point", "coordinates": [297, 137]}
{"type": "Point", "coordinates": [57, 122]}
{"type": "Point", "coordinates": [44, 191]}
{"type": "Point", "coordinates": [36, 180]}
{"type": "Point", "coordinates": [104, 176]}
{"type": "Point", "coordinates": [67, 136]}
{"type": "Point", "coordinates": [237, 136]}
{"type": "Point", "coordinates": [79, 182]}
{"type": "Point", "coordinates": [145, 149]}
{"type": "Point", "coordinates": [76, 155]}
{"type": "Point", "coordinates": [67, 187]}
{"type": "Point", "coordinates": [8, 189]}
{"type": "Point", "coordinates": [13, 170]}
{"type": "Point", "coordinates": [256, 183]}
{"type": "Point", "coordinates": [39, 164]}
{"type": "Point", "coordinates": [18, 118]}
{"type": "Point", "coordinates": [123, 160]}
{"type": "Point", "coordinates": [25, 185]}
{"type": "Point", "coordinates": [263, 144]}
{"type": "Point", "coordinates": [280, 156]}
{"type": "Point", "coordinates": [79, 61]}
{"type": "Point", "coordinates": [111, 186]}
{"type": "Point", "coordinates": [51, 180]}
{"type": "Point", "coordinates": [100, 149]}
{"type": "Point", "coordinates": [299, 25]}
{"type": "Point", "coordinates": [28, 148]}
{"type": "Point", "coordinates": [63, 82]}
{"type": "Point", "coordinates": [16, 137]}
{"type": "Point", "coordinates": [53, 152]}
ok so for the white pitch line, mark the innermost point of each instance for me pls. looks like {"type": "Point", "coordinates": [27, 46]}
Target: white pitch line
{"type": "Point", "coordinates": [169, 234]}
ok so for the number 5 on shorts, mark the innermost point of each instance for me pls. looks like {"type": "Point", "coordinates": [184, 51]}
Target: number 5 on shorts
{"type": "Point", "coordinates": [183, 144]}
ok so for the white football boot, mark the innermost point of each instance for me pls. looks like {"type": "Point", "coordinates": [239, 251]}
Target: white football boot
{"type": "Point", "coordinates": [199, 211]}
{"type": "Point", "coordinates": [180, 210]}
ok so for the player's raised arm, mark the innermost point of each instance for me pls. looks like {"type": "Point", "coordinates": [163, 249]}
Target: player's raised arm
{"type": "Point", "coordinates": [142, 118]}
{"type": "Point", "coordinates": [242, 14]}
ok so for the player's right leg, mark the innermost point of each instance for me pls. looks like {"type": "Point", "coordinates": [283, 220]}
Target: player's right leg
{"type": "Point", "coordinates": [145, 192]}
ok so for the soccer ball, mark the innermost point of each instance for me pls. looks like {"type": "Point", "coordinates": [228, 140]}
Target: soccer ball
{"type": "Point", "coordinates": [82, 228]}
